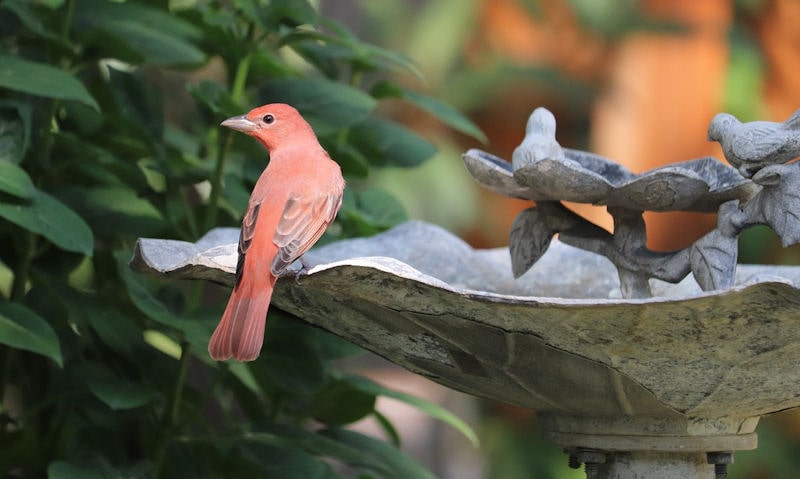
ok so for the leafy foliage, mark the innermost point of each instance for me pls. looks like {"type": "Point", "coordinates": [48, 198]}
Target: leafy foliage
{"type": "Point", "coordinates": [109, 131]}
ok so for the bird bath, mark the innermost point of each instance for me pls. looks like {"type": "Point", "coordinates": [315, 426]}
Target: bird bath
{"type": "Point", "coordinates": [663, 386]}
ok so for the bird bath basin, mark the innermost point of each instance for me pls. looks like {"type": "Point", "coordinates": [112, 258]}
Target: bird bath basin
{"type": "Point", "coordinates": [636, 367]}
{"type": "Point", "coordinates": [627, 386]}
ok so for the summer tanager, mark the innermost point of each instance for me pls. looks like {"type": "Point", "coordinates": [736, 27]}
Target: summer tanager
{"type": "Point", "coordinates": [293, 202]}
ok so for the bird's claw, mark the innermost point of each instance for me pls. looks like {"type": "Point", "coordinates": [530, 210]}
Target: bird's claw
{"type": "Point", "coordinates": [303, 269]}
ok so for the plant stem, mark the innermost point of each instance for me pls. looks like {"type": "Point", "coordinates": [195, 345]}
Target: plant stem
{"type": "Point", "coordinates": [174, 411]}
{"type": "Point", "coordinates": [68, 21]}
{"type": "Point", "coordinates": [21, 273]}
{"type": "Point", "coordinates": [237, 91]}
{"type": "Point", "coordinates": [211, 389]}
{"type": "Point", "coordinates": [240, 79]}
{"type": "Point", "coordinates": [190, 217]}
{"type": "Point", "coordinates": [6, 356]}
{"type": "Point", "coordinates": [42, 151]}
{"type": "Point", "coordinates": [216, 180]}
{"type": "Point", "coordinates": [355, 78]}
{"type": "Point", "coordinates": [177, 395]}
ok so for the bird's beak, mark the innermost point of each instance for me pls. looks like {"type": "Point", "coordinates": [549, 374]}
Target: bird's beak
{"type": "Point", "coordinates": [239, 123]}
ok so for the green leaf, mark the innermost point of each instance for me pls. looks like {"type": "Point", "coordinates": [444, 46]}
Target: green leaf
{"type": "Point", "coordinates": [277, 13]}
{"type": "Point", "coordinates": [400, 465]}
{"type": "Point", "coordinates": [119, 393]}
{"type": "Point", "coordinates": [141, 295]}
{"type": "Point", "coordinates": [329, 106]}
{"type": "Point", "coordinates": [340, 403]}
{"type": "Point", "coordinates": [355, 450]}
{"type": "Point", "coordinates": [294, 366]}
{"type": "Point", "coordinates": [330, 346]}
{"type": "Point", "coordinates": [24, 11]}
{"type": "Point", "coordinates": [351, 160]}
{"type": "Point", "coordinates": [241, 372]}
{"type": "Point", "coordinates": [387, 427]}
{"type": "Point", "coordinates": [49, 217]}
{"type": "Point", "coordinates": [370, 211]}
{"type": "Point", "coordinates": [98, 164]}
{"type": "Point", "coordinates": [97, 468]}
{"type": "Point", "coordinates": [14, 136]}
{"type": "Point", "coordinates": [139, 103]}
{"type": "Point", "coordinates": [21, 328]}
{"type": "Point", "coordinates": [214, 96]}
{"type": "Point", "coordinates": [116, 210]}
{"type": "Point", "coordinates": [65, 470]}
{"type": "Point", "coordinates": [113, 327]}
{"type": "Point", "coordinates": [326, 345]}
{"type": "Point", "coordinates": [289, 463]}
{"type": "Point", "coordinates": [385, 142]}
{"type": "Point", "coordinates": [322, 56]}
{"type": "Point", "coordinates": [152, 307]}
{"type": "Point", "coordinates": [152, 35]}
{"type": "Point", "coordinates": [380, 208]}
{"type": "Point", "coordinates": [342, 45]}
{"type": "Point", "coordinates": [42, 80]}
{"type": "Point", "coordinates": [427, 407]}
{"type": "Point", "coordinates": [15, 181]}
{"type": "Point", "coordinates": [446, 113]}
{"type": "Point", "coordinates": [21, 445]}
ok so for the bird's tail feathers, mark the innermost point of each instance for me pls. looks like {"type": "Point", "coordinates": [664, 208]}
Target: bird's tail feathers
{"type": "Point", "coordinates": [240, 332]}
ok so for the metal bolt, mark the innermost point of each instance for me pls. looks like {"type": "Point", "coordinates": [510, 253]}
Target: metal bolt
{"type": "Point", "coordinates": [592, 460]}
{"type": "Point", "coordinates": [720, 460]}
{"type": "Point", "coordinates": [573, 463]}
{"type": "Point", "coordinates": [592, 470]}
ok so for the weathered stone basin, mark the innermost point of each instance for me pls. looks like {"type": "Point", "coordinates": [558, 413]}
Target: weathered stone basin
{"type": "Point", "coordinates": [685, 370]}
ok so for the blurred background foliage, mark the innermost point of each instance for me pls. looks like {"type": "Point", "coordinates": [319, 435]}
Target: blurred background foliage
{"type": "Point", "coordinates": [105, 372]}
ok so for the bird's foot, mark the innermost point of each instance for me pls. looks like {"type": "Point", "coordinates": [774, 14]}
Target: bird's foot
{"type": "Point", "coordinates": [303, 269]}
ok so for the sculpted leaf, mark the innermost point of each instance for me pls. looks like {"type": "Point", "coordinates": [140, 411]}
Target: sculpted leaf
{"type": "Point", "coordinates": [494, 174]}
{"type": "Point", "coordinates": [528, 241]}
{"type": "Point", "coordinates": [660, 190]}
{"type": "Point", "coordinates": [565, 180]}
{"type": "Point", "coordinates": [778, 203]}
{"type": "Point", "coordinates": [713, 259]}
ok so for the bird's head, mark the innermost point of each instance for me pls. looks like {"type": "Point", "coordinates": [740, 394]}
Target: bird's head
{"type": "Point", "coordinates": [721, 123]}
{"type": "Point", "coordinates": [541, 121]}
{"type": "Point", "coordinates": [272, 125]}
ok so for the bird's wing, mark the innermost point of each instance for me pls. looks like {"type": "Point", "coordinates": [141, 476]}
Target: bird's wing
{"type": "Point", "coordinates": [762, 139]}
{"type": "Point", "coordinates": [246, 237]}
{"type": "Point", "coordinates": [793, 123]}
{"type": "Point", "coordinates": [302, 223]}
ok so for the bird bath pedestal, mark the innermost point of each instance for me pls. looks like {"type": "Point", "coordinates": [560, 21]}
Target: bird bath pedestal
{"type": "Point", "coordinates": [663, 386]}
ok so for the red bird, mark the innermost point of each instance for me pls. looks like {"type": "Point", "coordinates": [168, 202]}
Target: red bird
{"type": "Point", "coordinates": [293, 202]}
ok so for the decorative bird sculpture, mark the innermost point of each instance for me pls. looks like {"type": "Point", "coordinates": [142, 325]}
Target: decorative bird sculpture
{"type": "Point", "coordinates": [540, 140]}
{"type": "Point", "coordinates": [293, 202]}
{"type": "Point", "coordinates": [754, 145]}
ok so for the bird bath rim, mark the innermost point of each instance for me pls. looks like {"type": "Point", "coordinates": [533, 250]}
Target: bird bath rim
{"type": "Point", "coordinates": [554, 355]}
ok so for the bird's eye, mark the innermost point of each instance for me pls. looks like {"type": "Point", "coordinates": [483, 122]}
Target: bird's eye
{"type": "Point", "coordinates": [268, 119]}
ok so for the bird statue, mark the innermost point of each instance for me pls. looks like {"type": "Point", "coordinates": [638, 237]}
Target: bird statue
{"type": "Point", "coordinates": [754, 145]}
{"type": "Point", "coordinates": [540, 141]}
